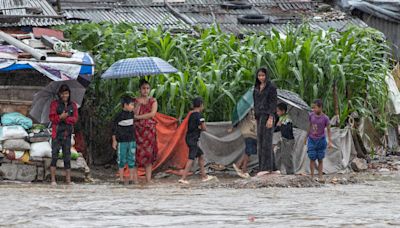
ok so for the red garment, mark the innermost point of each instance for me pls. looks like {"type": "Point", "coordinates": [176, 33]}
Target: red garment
{"type": "Point", "coordinates": [80, 144]}
{"type": "Point", "coordinates": [172, 149]}
{"type": "Point", "coordinates": [55, 118]}
{"type": "Point", "coordinates": [146, 136]}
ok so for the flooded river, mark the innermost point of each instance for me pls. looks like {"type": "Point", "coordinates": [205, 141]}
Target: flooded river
{"type": "Point", "coordinates": [371, 204]}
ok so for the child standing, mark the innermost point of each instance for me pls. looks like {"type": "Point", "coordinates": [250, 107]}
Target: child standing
{"type": "Point", "coordinates": [248, 129]}
{"type": "Point", "coordinates": [316, 137]}
{"type": "Point", "coordinates": [286, 144]}
{"type": "Point", "coordinates": [195, 126]}
{"type": "Point", "coordinates": [123, 140]}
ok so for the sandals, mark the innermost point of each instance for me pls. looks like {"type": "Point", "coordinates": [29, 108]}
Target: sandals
{"type": "Point", "coordinates": [262, 173]}
{"type": "Point", "coordinates": [208, 178]}
{"type": "Point", "coordinates": [239, 172]}
{"type": "Point", "coordinates": [182, 181]}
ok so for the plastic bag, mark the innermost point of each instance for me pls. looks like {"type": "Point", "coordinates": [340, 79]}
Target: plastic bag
{"type": "Point", "coordinates": [41, 149]}
{"type": "Point", "coordinates": [74, 155]}
{"type": "Point", "coordinates": [14, 155]}
{"type": "Point", "coordinates": [16, 144]}
{"type": "Point", "coordinates": [12, 132]}
{"type": "Point", "coordinates": [16, 118]}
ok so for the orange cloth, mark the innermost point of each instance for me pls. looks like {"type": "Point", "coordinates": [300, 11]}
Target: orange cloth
{"type": "Point", "coordinates": [172, 148]}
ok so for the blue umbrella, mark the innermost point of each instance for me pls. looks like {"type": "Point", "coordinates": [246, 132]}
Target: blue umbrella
{"type": "Point", "coordinates": [136, 67]}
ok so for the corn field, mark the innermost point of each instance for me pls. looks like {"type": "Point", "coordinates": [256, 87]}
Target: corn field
{"type": "Point", "coordinates": [347, 69]}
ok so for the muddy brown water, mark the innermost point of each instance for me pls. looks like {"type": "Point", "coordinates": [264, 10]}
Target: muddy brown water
{"type": "Point", "coordinates": [375, 203]}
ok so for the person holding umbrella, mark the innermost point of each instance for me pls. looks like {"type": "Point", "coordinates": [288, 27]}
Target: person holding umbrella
{"type": "Point", "coordinates": [265, 101]}
{"type": "Point", "coordinates": [145, 106]}
{"type": "Point", "coordinates": [145, 129]}
{"type": "Point", "coordinates": [63, 116]}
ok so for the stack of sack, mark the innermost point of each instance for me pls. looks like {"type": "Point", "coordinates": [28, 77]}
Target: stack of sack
{"type": "Point", "coordinates": [21, 140]}
{"type": "Point", "coordinates": [13, 136]}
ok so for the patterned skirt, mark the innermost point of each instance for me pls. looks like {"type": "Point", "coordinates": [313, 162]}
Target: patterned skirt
{"type": "Point", "coordinates": [146, 141]}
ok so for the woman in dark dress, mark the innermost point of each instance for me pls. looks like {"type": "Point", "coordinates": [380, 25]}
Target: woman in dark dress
{"type": "Point", "coordinates": [265, 101]}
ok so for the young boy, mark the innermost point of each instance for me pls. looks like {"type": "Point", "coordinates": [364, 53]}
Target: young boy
{"type": "Point", "coordinates": [123, 140]}
{"type": "Point", "coordinates": [316, 137]}
{"type": "Point", "coordinates": [248, 129]}
{"type": "Point", "coordinates": [195, 126]}
{"type": "Point", "coordinates": [286, 144]}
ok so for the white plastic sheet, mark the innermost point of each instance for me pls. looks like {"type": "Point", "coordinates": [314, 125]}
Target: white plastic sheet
{"type": "Point", "coordinates": [225, 148]}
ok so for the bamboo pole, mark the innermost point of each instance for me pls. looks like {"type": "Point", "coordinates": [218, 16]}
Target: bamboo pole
{"type": "Point", "coordinates": [11, 40]}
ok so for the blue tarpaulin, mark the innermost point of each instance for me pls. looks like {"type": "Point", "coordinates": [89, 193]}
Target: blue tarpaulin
{"type": "Point", "coordinates": [23, 65]}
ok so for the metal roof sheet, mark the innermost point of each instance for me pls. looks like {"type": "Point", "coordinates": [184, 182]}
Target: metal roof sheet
{"type": "Point", "coordinates": [147, 16]}
{"type": "Point", "coordinates": [206, 12]}
{"type": "Point", "coordinates": [44, 14]}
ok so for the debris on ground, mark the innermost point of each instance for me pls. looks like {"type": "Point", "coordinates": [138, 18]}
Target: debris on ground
{"type": "Point", "coordinates": [286, 181]}
{"type": "Point", "coordinates": [359, 164]}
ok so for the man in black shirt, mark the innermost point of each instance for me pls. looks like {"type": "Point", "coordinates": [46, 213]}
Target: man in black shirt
{"type": "Point", "coordinates": [123, 139]}
{"type": "Point", "coordinates": [196, 125]}
{"type": "Point", "coordinates": [285, 151]}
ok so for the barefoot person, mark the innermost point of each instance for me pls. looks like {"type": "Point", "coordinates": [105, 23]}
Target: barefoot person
{"type": "Point", "coordinates": [316, 140]}
{"type": "Point", "coordinates": [195, 126]}
{"type": "Point", "coordinates": [248, 129]}
{"type": "Point", "coordinates": [63, 116]}
{"type": "Point", "coordinates": [145, 128]}
{"type": "Point", "coordinates": [123, 140]}
{"type": "Point", "coordinates": [265, 101]}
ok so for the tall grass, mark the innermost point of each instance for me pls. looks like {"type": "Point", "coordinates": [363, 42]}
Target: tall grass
{"type": "Point", "coordinates": [347, 70]}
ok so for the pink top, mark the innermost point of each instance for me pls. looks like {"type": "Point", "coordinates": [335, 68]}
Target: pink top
{"type": "Point", "coordinates": [318, 125]}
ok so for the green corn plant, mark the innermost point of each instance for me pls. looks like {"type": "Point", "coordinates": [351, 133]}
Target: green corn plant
{"type": "Point", "coordinates": [221, 67]}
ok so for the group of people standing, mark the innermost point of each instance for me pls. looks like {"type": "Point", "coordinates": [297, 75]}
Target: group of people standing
{"type": "Point", "coordinates": [271, 116]}
{"type": "Point", "coordinates": [135, 140]}
{"type": "Point", "coordinates": [257, 128]}
{"type": "Point", "coordinates": [133, 132]}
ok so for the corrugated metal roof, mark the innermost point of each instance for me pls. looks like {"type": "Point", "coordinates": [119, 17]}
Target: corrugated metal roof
{"type": "Point", "coordinates": [147, 16]}
{"type": "Point", "coordinates": [187, 2]}
{"type": "Point", "coordinates": [200, 14]}
{"type": "Point", "coordinates": [325, 25]}
{"type": "Point", "coordinates": [339, 25]}
{"type": "Point", "coordinates": [38, 22]}
{"type": "Point", "coordinates": [204, 13]}
{"type": "Point", "coordinates": [28, 13]}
